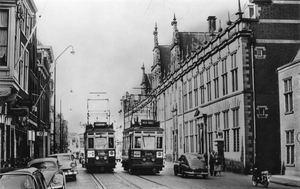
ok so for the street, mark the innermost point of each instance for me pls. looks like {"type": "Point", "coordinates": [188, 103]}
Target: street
{"type": "Point", "coordinates": [166, 179]}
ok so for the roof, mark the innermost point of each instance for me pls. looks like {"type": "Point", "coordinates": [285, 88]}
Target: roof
{"type": "Point", "coordinates": [295, 60]}
{"type": "Point", "coordinates": [43, 159]}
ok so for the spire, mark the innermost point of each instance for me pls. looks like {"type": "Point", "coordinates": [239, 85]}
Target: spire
{"type": "Point", "coordinates": [229, 21]}
{"type": "Point", "coordinates": [220, 28]}
{"type": "Point", "coordinates": [174, 23]}
{"type": "Point", "coordinates": [143, 68]}
{"type": "Point", "coordinates": [239, 13]}
{"type": "Point", "coordinates": [155, 36]}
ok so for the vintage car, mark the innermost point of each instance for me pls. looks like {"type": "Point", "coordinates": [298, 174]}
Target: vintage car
{"type": "Point", "coordinates": [191, 164]}
{"type": "Point", "coordinates": [67, 164]}
{"type": "Point", "coordinates": [54, 176]}
{"type": "Point", "coordinates": [29, 178]}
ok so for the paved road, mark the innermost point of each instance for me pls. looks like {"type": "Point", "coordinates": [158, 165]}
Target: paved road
{"type": "Point", "coordinates": [164, 180]}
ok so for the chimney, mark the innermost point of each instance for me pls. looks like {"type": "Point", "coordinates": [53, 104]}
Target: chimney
{"type": "Point", "coordinates": [211, 24]}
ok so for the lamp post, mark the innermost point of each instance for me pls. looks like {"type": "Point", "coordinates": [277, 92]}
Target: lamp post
{"type": "Point", "coordinates": [54, 87]}
{"type": "Point", "coordinates": [60, 125]}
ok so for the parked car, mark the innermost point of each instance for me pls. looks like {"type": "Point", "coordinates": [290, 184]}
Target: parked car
{"type": "Point", "coordinates": [29, 178]}
{"type": "Point", "coordinates": [191, 164]}
{"type": "Point", "coordinates": [54, 176]}
{"type": "Point", "coordinates": [67, 164]}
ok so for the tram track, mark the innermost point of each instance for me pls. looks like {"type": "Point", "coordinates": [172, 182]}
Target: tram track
{"type": "Point", "coordinates": [98, 183]}
{"type": "Point", "coordinates": [114, 180]}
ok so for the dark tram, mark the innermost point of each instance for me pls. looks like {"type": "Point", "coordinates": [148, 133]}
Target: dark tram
{"type": "Point", "coordinates": [143, 148]}
{"type": "Point", "coordinates": [99, 147]}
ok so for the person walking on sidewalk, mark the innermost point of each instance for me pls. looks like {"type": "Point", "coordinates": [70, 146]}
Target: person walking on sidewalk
{"type": "Point", "coordinates": [211, 162]}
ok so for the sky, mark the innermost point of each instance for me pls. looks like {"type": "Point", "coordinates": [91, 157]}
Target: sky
{"type": "Point", "coordinates": [112, 39]}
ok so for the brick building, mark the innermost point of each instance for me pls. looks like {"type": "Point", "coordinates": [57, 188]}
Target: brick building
{"type": "Point", "coordinates": [217, 89]}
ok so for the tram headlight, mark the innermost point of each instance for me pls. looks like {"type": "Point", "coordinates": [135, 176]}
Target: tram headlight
{"type": "Point", "coordinates": [159, 154]}
{"type": "Point", "coordinates": [153, 159]}
{"type": "Point", "coordinates": [97, 157]}
{"type": "Point", "coordinates": [105, 157]}
{"type": "Point", "coordinates": [144, 159]}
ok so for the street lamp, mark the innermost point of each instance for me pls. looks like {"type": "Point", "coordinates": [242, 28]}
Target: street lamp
{"type": "Point", "coordinates": [54, 87]}
{"type": "Point", "coordinates": [60, 125]}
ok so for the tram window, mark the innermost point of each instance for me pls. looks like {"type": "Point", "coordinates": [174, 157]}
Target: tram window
{"type": "Point", "coordinates": [101, 142]}
{"type": "Point", "coordinates": [148, 142]}
{"type": "Point", "coordinates": [91, 143]}
{"type": "Point", "coordinates": [159, 143]}
{"type": "Point", "coordinates": [137, 142]}
{"type": "Point", "coordinates": [111, 142]}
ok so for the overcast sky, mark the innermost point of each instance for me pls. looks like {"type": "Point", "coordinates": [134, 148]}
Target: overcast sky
{"type": "Point", "coordinates": [112, 39]}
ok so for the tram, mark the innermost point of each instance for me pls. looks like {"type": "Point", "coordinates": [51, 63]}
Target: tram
{"type": "Point", "coordinates": [142, 149]}
{"type": "Point", "coordinates": [99, 147]}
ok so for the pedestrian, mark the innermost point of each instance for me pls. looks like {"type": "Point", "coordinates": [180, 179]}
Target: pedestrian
{"type": "Point", "coordinates": [211, 162]}
{"type": "Point", "coordinates": [217, 168]}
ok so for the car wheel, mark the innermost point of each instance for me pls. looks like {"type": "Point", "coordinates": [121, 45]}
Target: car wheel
{"type": "Point", "coordinates": [204, 176]}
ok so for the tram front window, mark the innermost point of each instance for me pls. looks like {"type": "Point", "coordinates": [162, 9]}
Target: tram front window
{"type": "Point", "coordinates": [101, 142]}
{"type": "Point", "coordinates": [148, 142]}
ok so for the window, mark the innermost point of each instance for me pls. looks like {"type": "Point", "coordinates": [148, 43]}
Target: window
{"type": "Point", "coordinates": [288, 95]}
{"type": "Point", "coordinates": [234, 73]}
{"type": "Point", "coordinates": [179, 100]}
{"type": "Point", "coordinates": [3, 37]}
{"type": "Point", "coordinates": [26, 70]}
{"type": "Point", "coordinates": [180, 136]}
{"type": "Point", "coordinates": [137, 142]}
{"type": "Point", "coordinates": [236, 130]}
{"type": "Point", "coordinates": [290, 147]}
{"type": "Point", "coordinates": [196, 91]}
{"type": "Point", "coordinates": [196, 136]}
{"type": "Point", "coordinates": [91, 143]}
{"type": "Point", "coordinates": [185, 95]}
{"type": "Point", "coordinates": [208, 85]}
{"type": "Point", "coordinates": [210, 132]}
{"type": "Point", "coordinates": [202, 88]}
{"type": "Point", "coordinates": [261, 111]}
{"type": "Point", "coordinates": [224, 77]}
{"type": "Point", "coordinates": [111, 142]}
{"type": "Point", "coordinates": [190, 94]}
{"type": "Point", "coordinates": [159, 143]}
{"type": "Point", "coordinates": [226, 130]}
{"type": "Point", "coordinates": [186, 136]}
{"type": "Point", "coordinates": [192, 135]}
{"type": "Point", "coordinates": [216, 83]}
{"type": "Point", "coordinates": [217, 116]}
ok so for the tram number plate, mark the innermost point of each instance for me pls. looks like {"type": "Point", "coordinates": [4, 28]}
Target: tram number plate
{"type": "Point", "coordinates": [148, 163]}
{"type": "Point", "coordinates": [148, 153]}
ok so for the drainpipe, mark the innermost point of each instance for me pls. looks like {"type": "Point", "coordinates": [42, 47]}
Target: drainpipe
{"type": "Point", "coordinates": [254, 100]}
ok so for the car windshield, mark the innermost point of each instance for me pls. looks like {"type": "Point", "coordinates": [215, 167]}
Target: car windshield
{"type": "Point", "coordinates": [16, 182]}
{"type": "Point", "coordinates": [44, 165]}
{"type": "Point", "coordinates": [63, 157]}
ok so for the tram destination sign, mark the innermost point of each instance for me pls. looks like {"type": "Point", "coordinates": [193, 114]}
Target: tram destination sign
{"type": "Point", "coordinates": [148, 123]}
{"type": "Point", "coordinates": [100, 124]}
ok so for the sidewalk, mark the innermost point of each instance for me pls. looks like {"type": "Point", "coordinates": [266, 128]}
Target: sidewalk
{"type": "Point", "coordinates": [286, 180]}
{"type": "Point", "coordinates": [277, 179]}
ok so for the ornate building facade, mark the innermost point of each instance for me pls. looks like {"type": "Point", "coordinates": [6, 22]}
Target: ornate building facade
{"type": "Point", "coordinates": [217, 90]}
